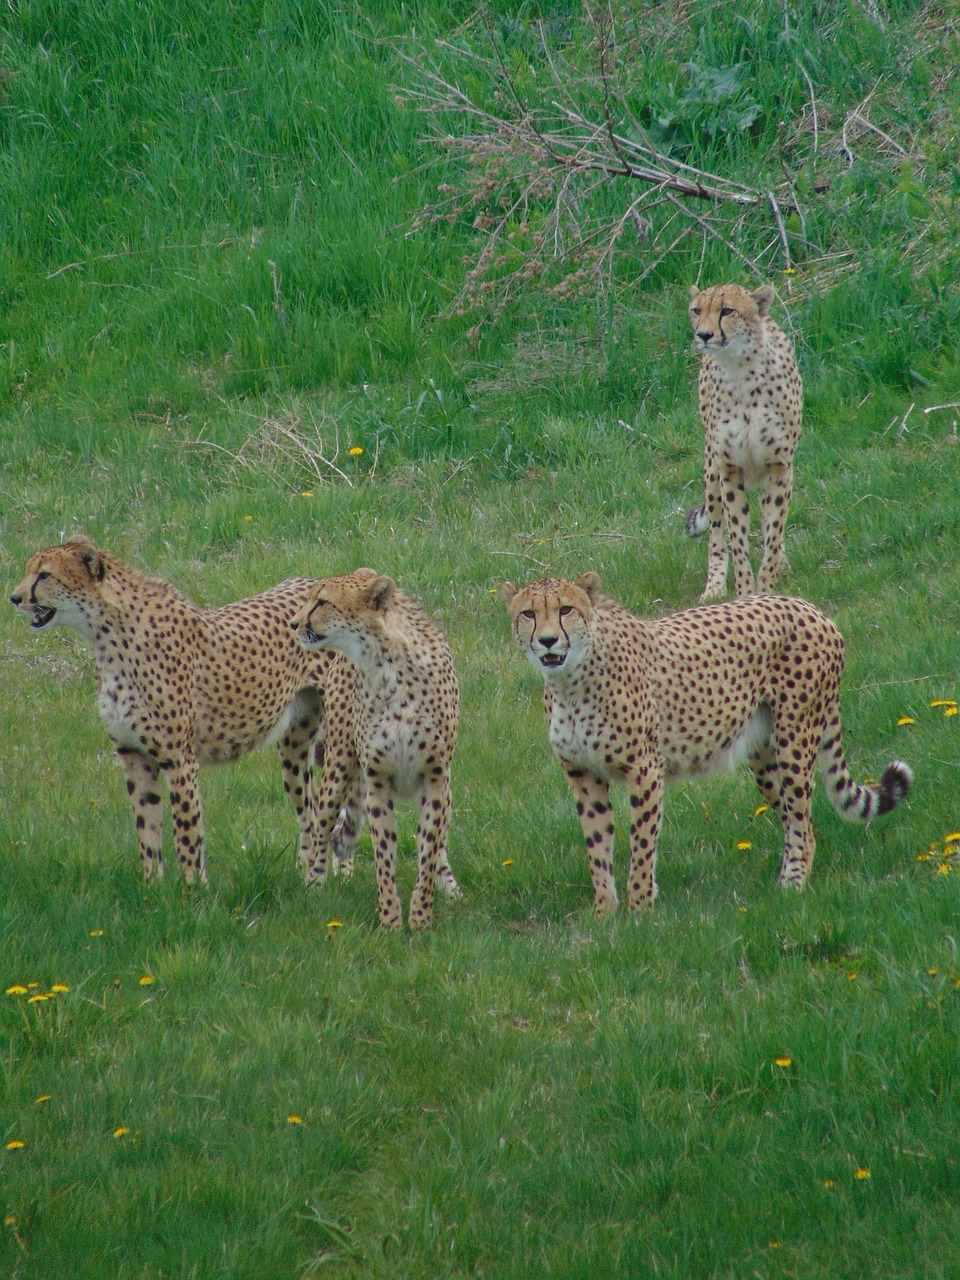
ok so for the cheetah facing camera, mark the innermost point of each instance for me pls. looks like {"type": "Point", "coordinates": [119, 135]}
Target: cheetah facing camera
{"type": "Point", "coordinates": [393, 709]}
{"type": "Point", "coordinates": [179, 687]}
{"type": "Point", "coordinates": [695, 692]}
{"type": "Point", "coordinates": [751, 402]}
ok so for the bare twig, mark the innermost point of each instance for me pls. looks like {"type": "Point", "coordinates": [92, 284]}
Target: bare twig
{"type": "Point", "coordinates": [780, 227]}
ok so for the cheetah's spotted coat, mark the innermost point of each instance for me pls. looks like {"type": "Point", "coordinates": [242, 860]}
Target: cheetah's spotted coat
{"type": "Point", "coordinates": [179, 687]}
{"type": "Point", "coordinates": [751, 403]}
{"type": "Point", "coordinates": [697, 691]}
{"type": "Point", "coordinates": [393, 709]}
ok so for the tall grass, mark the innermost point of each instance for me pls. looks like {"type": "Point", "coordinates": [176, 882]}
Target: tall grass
{"type": "Point", "coordinates": [744, 1082]}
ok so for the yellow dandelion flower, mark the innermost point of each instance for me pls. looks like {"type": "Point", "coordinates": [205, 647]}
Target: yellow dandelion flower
{"type": "Point", "coordinates": [950, 850]}
{"type": "Point", "coordinates": [949, 711]}
{"type": "Point", "coordinates": [932, 973]}
{"type": "Point", "coordinates": [334, 924]}
{"type": "Point", "coordinates": [121, 1131]}
{"type": "Point", "coordinates": [146, 980]}
{"type": "Point", "coordinates": [59, 987]}
{"type": "Point", "coordinates": [744, 844]}
{"type": "Point", "coordinates": [852, 977]}
{"type": "Point", "coordinates": [97, 933]}
{"type": "Point", "coordinates": [32, 986]}
{"type": "Point", "coordinates": [307, 493]}
{"type": "Point", "coordinates": [493, 591]}
{"type": "Point", "coordinates": [743, 909]}
{"type": "Point", "coordinates": [17, 990]}
{"type": "Point", "coordinates": [861, 1174]}
{"type": "Point", "coordinates": [294, 1119]}
{"type": "Point", "coordinates": [356, 451]}
{"type": "Point", "coordinates": [44, 1097]}
{"type": "Point", "coordinates": [774, 1244]}
{"type": "Point", "coordinates": [15, 1144]}
{"type": "Point", "coordinates": [943, 869]}
{"type": "Point", "coordinates": [829, 1183]}
{"type": "Point", "coordinates": [924, 857]}
{"type": "Point", "coordinates": [789, 271]}
{"type": "Point", "coordinates": [952, 837]}
{"type": "Point", "coordinates": [943, 702]}
{"type": "Point", "coordinates": [10, 1220]}
{"type": "Point", "coordinates": [785, 1061]}
{"type": "Point", "coordinates": [249, 519]}
{"type": "Point", "coordinates": [507, 862]}
{"type": "Point", "coordinates": [39, 997]}
{"type": "Point", "coordinates": [761, 808]}
{"type": "Point", "coordinates": [906, 720]}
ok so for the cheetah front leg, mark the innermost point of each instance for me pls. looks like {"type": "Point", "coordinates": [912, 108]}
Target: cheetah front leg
{"type": "Point", "coordinates": [777, 491]}
{"type": "Point", "coordinates": [646, 811]}
{"type": "Point", "coordinates": [184, 789]}
{"type": "Point", "coordinates": [736, 510]}
{"type": "Point", "coordinates": [717, 555]}
{"type": "Point", "coordinates": [431, 835]}
{"type": "Point", "coordinates": [592, 796]}
{"type": "Point", "coordinates": [383, 829]}
{"type": "Point", "coordinates": [146, 796]}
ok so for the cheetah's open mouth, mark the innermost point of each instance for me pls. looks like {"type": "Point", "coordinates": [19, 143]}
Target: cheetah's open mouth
{"type": "Point", "coordinates": [42, 614]}
{"type": "Point", "coordinates": [553, 659]}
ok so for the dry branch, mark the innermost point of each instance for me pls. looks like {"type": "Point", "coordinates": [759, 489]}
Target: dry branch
{"type": "Point", "coordinates": [530, 171]}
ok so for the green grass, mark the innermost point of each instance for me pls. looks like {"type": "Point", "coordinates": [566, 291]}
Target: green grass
{"type": "Point", "coordinates": [523, 1092]}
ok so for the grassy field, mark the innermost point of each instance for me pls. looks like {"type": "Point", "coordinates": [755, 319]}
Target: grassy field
{"type": "Point", "coordinates": [210, 299]}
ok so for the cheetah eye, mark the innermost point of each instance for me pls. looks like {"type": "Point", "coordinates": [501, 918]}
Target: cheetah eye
{"type": "Point", "coordinates": [726, 311]}
{"type": "Point", "coordinates": [528, 614]}
{"type": "Point", "coordinates": [42, 575]}
{"type": "Point", "coordinates": [565, 610]}
{"type": "Point", "coordinates": [694, 311]}
{"type": "Point", "coordinates": [318, 604]}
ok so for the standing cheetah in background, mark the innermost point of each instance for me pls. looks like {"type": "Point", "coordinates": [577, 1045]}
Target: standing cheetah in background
{"type": "Point", "coordinates": [695, 692]}
{"type": "Point", "coordinates": [179, 687]}
{"type": "Point", "coordinates": [393, 710]}
{"type": "Point", "coordinates": [751, 401]}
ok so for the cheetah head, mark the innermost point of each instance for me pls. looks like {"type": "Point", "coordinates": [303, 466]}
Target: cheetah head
{"type": "Point", "coordinates": [551, 620]}
{"type": "Point", "coordinates": [60, 584]}
{"type": "Point", "coordinates": [726, 317]}
{"type": "Point", "coordinates": [344, 612]}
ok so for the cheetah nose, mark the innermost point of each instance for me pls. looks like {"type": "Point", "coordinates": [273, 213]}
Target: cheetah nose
{"type": "Point", "coordinates": [704, 335]}
{"type": "Point", "coordinates": [548, 641]}
{"type": "Point", "coordinates": [16, 599]}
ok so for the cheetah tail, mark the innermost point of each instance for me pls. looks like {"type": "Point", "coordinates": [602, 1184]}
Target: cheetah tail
{"type": "Point", "coordinates": [698, 522]}
{"type": "Point", "coordinates": [860, 803]}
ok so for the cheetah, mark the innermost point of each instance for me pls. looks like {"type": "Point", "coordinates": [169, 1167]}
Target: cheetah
{"type": "Point", "coordinates": [179, 687]}
{"type": "Point", "coordinates": [751, 401]}
{"type": "Point", "coordinates": [393, 710]}
{"type": "Point", "coordinates": [692, 693]}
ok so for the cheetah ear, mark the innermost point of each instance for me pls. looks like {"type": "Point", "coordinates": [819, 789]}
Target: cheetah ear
{"type": "Point", "coordinates": [507, 592]}
{"type": "Point", "coordinates": [694, 292]}
{"type": "Point", "coordinates": [89, 556]}
{"type": "Point", "coordinates": [381, 592]}
{"type": "Point", "coordinates": [763, 297]}
{"type": "Point", "coordinates": [590, 583]}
